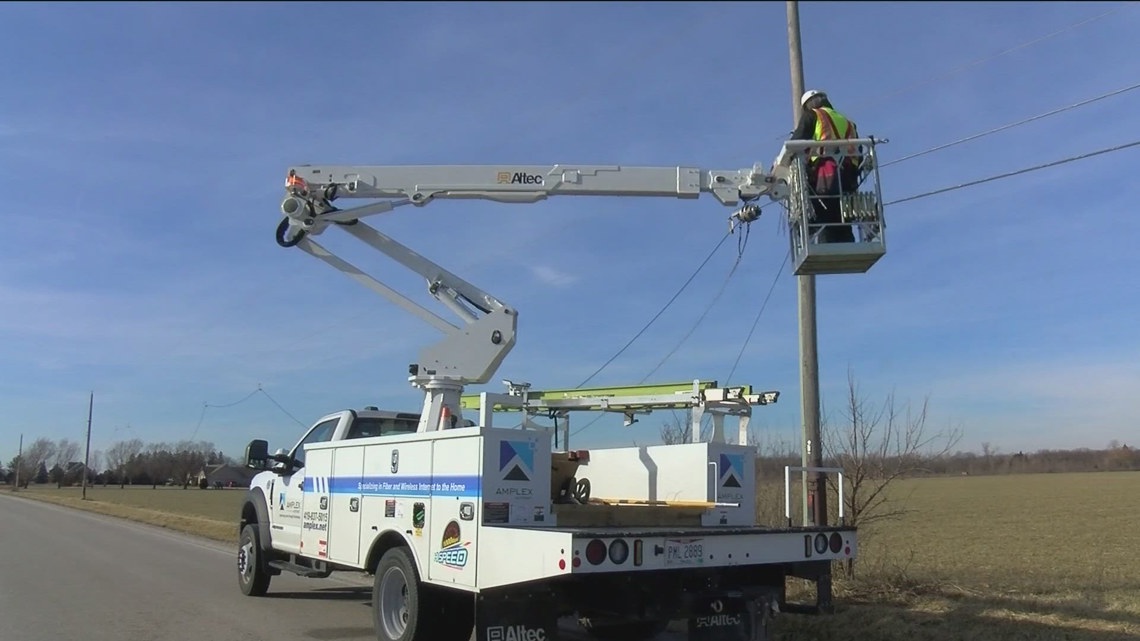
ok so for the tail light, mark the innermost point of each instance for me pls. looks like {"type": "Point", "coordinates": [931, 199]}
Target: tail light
{"type": "Point", "coordinates": [596, 552]}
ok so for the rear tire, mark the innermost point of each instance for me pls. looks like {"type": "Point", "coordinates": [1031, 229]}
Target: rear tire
{"type": "Point", "coordinates": [401, 608]}
{"type": "Point", "coordinates": [625, 631]}
{"type": "Point", "coordinates": [253, 577]}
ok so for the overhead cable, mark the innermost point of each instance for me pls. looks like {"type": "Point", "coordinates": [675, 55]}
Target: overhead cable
{"type": "Point", "coordinates": [1012, 125]}
{"type": "Point", "coordinates": [1010, 174]}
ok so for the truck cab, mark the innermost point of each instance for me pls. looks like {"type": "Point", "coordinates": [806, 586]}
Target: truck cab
{"type": "Point", "coordinates": [283, 484]}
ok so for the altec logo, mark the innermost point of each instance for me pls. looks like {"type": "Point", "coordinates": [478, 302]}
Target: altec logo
{"type": "Point", "coordinates": [718, 621]}
{"type": "Point", "coordinates": [731, 470]}
{"type": "Point", "coordinates": [519, 178]}
{"type": "Point", "coordinates": [516, 458]}
{"type": "Point", "coordinates": [515, 633]}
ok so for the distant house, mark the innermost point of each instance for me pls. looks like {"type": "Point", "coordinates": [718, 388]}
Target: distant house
{"type": "Point", "coordinates": [219, 476]}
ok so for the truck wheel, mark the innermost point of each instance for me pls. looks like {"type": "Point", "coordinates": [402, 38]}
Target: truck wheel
{"type": "Point", "coordinates": [400, 606]}
{"type": "Point", "coordinates": [252, 575]}
{"type": "Point", "coordinates": [625, 631]}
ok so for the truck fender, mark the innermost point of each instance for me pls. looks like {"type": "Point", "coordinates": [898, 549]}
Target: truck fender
{"type": "Point", "coordinates": [385, 541]}
{"type": "Point", "coordinates": [254, 509]}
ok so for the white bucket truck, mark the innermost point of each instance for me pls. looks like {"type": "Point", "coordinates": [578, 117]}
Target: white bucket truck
{"type": "Point", "coordinates": [471, 529]}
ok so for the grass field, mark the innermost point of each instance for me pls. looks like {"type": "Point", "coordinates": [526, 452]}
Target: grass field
{"type": "Point", "coordinates": [1027, 557]}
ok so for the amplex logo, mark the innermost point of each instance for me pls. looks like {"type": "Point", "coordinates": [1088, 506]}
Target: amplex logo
{"type": "Point", "coordinates": [516, 459]}
{"type": "Point", "coordinates": [731, 470]}
{"type": "Point", "coordinates": [519, 178]}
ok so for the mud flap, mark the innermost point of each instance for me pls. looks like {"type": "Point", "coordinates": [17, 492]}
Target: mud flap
{"type": "Point", "coordinates": [732, 617]}
{"type": "Point", "coordinates": [514, 616]}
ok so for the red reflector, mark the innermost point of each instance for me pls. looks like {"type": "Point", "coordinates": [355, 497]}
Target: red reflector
{"type": "Point", "coordinates": [583, 456]}
{"type": "Point", "coordinates": [576, 562]}
{"type": "Point", "coordinates": [847, 551]}
{"type": "Point", "coordinates": [596, 552]}
{"type": "Point", "coordinates": [561, 564]}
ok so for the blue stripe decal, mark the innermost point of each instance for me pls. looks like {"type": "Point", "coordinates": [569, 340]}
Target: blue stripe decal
{"type": "Point", "coordinates": [443, 485]}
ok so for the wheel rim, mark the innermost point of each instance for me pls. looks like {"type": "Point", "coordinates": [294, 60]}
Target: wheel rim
{"type": "Point", "coordinates": [394, 603]}
{"type": "Point", "coordinates": [245, 560]}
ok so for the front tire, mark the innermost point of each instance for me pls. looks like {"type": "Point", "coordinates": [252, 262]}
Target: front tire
{"type": "Point", "coordinates": [400, 606]}
{"type": "Point", "coordinates": [253, 578]}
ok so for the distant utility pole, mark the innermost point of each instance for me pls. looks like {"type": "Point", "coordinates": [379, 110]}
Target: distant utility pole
{"type": "Point", "coordinates": [87, 453]}
{"type": "Point", "coordinates": [19, 462]}
{"type": "Point", "coordinates": [811, 455]}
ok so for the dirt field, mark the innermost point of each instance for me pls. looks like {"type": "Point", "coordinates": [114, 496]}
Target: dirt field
{"type": "Point", "coordinates": [1032, 557]}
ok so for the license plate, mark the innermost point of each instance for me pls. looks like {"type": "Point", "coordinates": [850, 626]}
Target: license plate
{"type": "Point", "coordinates": [684, 552]}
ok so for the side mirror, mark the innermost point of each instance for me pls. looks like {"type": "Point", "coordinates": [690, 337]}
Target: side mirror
{"type": "Point", "coordinates": [257, 454]}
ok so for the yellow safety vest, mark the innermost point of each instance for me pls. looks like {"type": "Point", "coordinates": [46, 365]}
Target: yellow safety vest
{"type": "Point", "coordinates": [832, 125]}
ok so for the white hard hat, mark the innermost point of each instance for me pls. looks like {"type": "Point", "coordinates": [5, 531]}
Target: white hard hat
{"type": "Point", "coordinates": [808, 95]}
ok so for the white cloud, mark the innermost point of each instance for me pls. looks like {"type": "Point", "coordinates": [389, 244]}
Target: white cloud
{"type": "Point", "coordinates": [550, 276]}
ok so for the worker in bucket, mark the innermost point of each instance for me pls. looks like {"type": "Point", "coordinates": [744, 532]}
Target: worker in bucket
{"type": "Point", "coordinates": [826, 177]}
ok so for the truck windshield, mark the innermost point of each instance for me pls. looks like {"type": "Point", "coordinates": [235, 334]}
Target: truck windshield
{"type": "Point", "coordinates": [369, 427]}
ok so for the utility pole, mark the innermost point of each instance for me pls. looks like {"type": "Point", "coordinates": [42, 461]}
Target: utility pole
{"type": "Point", "coordinates": [87, 453]}
{"type": "Point", "coordinates": [19, 463]}
{"type": "Point", "coordinates": [811, 454]}
{"type": "Point", "coordinates": [815, 484]}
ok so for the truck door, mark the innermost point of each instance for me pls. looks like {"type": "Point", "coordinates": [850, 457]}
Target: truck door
{"type": "Point", "coordinates": [315, 524]}
{"type": "Point", "coordinates": [344, 505]}
{"type": "Point", "coordinates": [289, 502]}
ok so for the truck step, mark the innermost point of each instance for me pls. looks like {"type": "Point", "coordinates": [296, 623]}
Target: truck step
{"type": "Point", "coordinates": [300, 570]}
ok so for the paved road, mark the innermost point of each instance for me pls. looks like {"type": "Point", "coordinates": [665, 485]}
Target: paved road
{"type": "Point", "coordinates": [68, 574]}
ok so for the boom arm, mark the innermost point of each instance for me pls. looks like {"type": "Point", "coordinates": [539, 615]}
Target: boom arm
{"type": "Point", "coordinates": [473, 353]}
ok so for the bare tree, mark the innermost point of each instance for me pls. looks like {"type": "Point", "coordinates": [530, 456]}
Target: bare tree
{"type": "Point", "coordinates": [35, 456]}
{"type": "Point", "coordinates": [677, 429]}
{"type": "Point", "coordinates": [94, 467]}
{"type": "Point", "coordinates": [120, 454]}
{"type": "Point", "coordinates": [876, 445]}
{"type": "Point", "coordinates": [189, 458]}
{"type": "Point", "coordinates": [65, 453]}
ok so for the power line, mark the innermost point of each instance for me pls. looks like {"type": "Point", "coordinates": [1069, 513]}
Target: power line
{"type": "Point", "coordinates": [755, 321]}
{"type": "Point", "coordinates": [283, 410]}
{"type": "Point", "coordinates": [1010, 174]}
{"type": "Point", "coordinates": [1012, 125]}
{"type": "Point", "coordinates": [205, 406]}
{"type": "Point", "coordinates": [658, 314]}
{"type": "Point", "coordinates": [708, 308]}
{"type": "Point", "coordinates": [985, 59]}
{"type": "Point", "coordinates": [979, 61]}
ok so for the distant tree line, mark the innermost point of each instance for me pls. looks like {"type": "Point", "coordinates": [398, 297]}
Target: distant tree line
{"type": "Point", "coordinates": [1116, 457]}
{"type": "Point", "coordinates": [130, 462]}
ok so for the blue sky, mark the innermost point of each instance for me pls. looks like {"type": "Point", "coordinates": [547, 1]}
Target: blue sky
{"type": "Point", "coordinates": [145, 147]}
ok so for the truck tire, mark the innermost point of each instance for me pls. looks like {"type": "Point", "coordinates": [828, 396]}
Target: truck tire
{"type": "Point", "coordinates": [625, 631]}
{"type": "Point", "coordinates": [252, 574]}
{"type": "Point", "coordinates": [401, 607]}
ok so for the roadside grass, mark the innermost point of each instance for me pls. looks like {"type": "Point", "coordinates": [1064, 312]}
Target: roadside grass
{"type": "Point", "coordinates": [1045, 557]}
{"type": "Point", "coordinates": [208, 513]}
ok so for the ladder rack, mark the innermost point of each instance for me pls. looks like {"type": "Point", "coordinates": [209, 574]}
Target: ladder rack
{"type": "Point", "coordinates": [697, 396]}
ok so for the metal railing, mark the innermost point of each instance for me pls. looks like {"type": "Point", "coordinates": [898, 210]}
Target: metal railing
{"type": "Point", "coordinates": [788, 469]}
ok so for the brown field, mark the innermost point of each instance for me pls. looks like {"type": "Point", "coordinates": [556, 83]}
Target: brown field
{"type": "Point", "coordinates": [1045, 557]}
